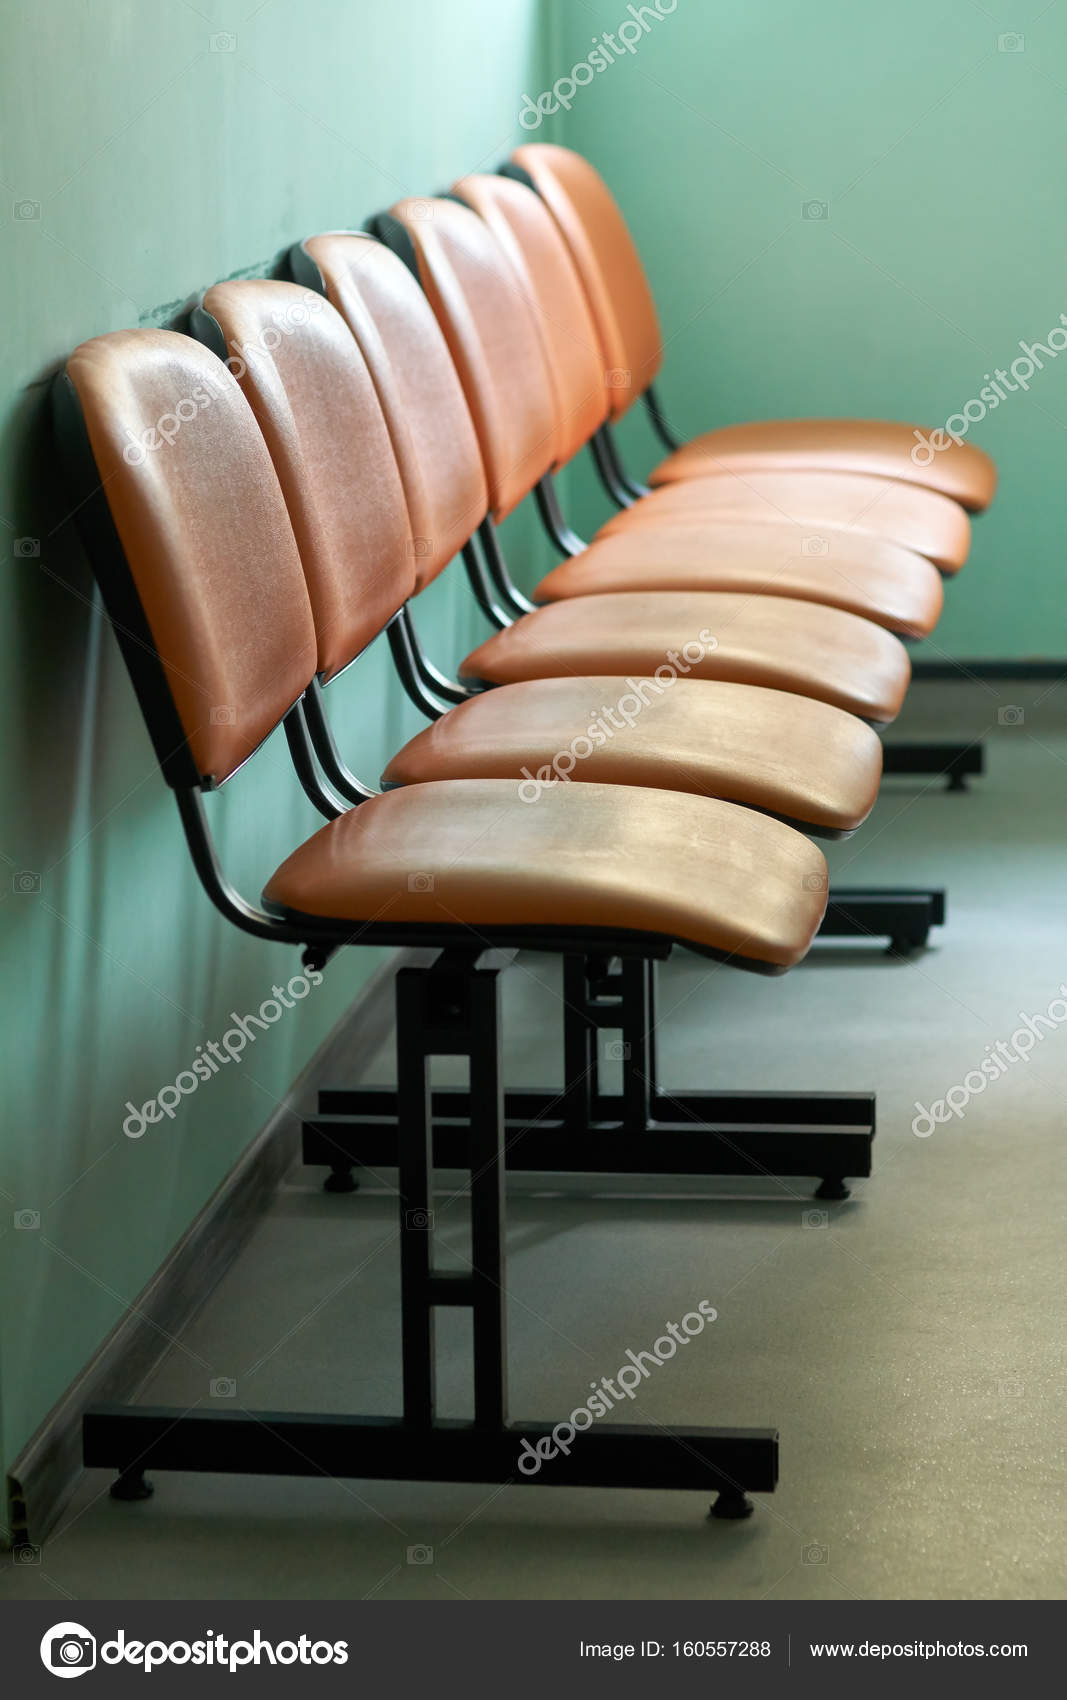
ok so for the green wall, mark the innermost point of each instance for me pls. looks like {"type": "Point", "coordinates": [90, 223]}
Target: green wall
{"type": "Point", "coordinates": [160, 164]}
{"type": "Point", "coordinates": [941, 159]}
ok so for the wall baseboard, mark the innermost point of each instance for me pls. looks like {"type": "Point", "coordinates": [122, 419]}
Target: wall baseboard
{"type": "Point", "coordinates": [48, 1470]}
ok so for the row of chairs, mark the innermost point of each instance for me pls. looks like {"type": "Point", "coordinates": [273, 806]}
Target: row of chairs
{"type": "Point", "coordinates": [635, 760]}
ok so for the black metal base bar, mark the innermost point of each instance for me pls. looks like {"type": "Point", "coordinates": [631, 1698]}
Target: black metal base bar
{"type": "Point", "coordinates": [903, 917]}
{"type": "Point", "coordinates": [133, 1439]}
{"type": "Point", "coordinates": [958, 762]}
{"type": "Point", "coordinates": [687, 1133]}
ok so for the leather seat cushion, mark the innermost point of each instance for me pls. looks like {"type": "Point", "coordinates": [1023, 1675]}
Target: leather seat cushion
{"type": "Point", "coordinates": [879, 447]}
{"type": "Point", "coordinates": [791, 756]}
{"type": "Point", "coordinates": [472, 854]}
{"type": "Point", "coordinates": [917, 519]}
{"type": "Point", "coordinates": [776, 641]}
{"type": "Point", "coordinates": [885, 583]}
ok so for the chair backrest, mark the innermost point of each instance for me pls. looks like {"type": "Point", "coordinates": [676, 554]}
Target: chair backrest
{"type": "Point", "coordinates": [607, 261]}
{"type": "Point", "coordinates": [489, 324]}
{"type": "Point", "coordinates": [429, 422]}
{"type": "Point", "coordinates": [528, 233]}
{"type": "Point", "coordinates": [313, 398]}
{"type": "Point", "coordinates": [191, 544]}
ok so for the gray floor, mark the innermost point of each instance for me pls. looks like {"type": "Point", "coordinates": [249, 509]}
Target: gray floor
{"type": "Point", "coordinates": [909, 1344]}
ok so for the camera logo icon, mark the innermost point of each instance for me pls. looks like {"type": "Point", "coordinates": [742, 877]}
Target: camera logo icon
{"type": "Point", "coordinates": [420, 1555]}
{"type": "Point", "coordinates": [27, 1220]}
{"type": "Point", "coordinates": [1012, 42]}
{"type": "Point", "coordinates": [1011, 715]}
{"type": "Point", "coordinates": [420, 547]}
{"type": "Point", "coordinates": [420, 882]}
{"type": "Point", "coordinates": [816, 882]}
{"type": "Point", "coordinates": [223, 715]}
{"type": "Point", "coordinates": [224, 42]}
{"type": "Point", "coordinates": [818, 210]}
{"type": "Point", "coordinates": [815, 546]}
{"type": "Point", "coordinates": [420, 209]}
{"type": "Point", "coordinates": [26, 210]}
{"type": "Point", "coordinates": [617, 1050]}
{"type": "Point", "coordinates": [26, 548]}
{"type": "Point", "coordinates": [67, 1649]}
{"type": "Point", "coordinates": [618, 378]}
{"type": "Point", "coordinates": [816, 1219]}
{"type": "Point", "coordinates": [223, 1387]}
{"type": "Point", "coordinates": [814, 1553]}
{"type": "Point", "coordinates": [420, 1221]}
{"type": "Point", "coordinates": [25, 883]}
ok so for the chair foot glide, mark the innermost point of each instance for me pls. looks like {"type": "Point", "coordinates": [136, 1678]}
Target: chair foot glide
{"type": "Point", "coordinates": [731, 1506]}
{"type": "Point", "coordinates": [832, 1189]}
{"type": "Point", "coordinates": [131, 1485]}
{"type": "Point", "coordinates": [340, 1179]}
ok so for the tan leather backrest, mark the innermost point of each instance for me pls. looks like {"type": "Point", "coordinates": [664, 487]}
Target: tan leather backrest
{"type": "Point", "coordinates": [489, 326]}
{"type": "Point", "coordinates": [429, 422]}
{"type": "Point", "coordinates": [530, 236]}
{"type": "Point", "coordinates": [198, 510]}
{"type": "Point", "coordinates": [310, 391]}
{"type": "Point", "coordinates": [608, 264]}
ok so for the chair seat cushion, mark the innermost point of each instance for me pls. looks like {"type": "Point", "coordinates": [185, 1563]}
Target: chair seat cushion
{"type": "Point", "coordinates": [881, 448]}
{"type": "Point", "coordinates": [917, 519]}
{"type": "Point", "coordinates": [472, 854]}
{"type": "Point", "coordinates": [812, 764]}
{"type": "Point", "coordinates": [885, 583]}
{"type": "Point", "coordinates": [776, 641]}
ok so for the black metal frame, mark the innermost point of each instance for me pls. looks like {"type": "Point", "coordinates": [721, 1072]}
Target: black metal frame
{"type": "Point", "coordinates": [583, 1129]}
{"type": "Point", "coordinates": [449, 1008]}
{"type": "Point", "coordinates": [560, 532]}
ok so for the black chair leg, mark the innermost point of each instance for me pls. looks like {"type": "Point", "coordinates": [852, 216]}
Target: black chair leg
{"type": "Point", "coordinates": [450, 1008]}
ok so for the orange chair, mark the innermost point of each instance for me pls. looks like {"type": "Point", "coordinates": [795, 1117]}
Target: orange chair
{"type": "Point", "coordinates": [532, 408]}
{"type": "Point", "coordinates": [193, 547]}
{"type": "Point", "coordinates": [846, 568]}
{"type": "Point", "coordinates": [490, 329]}
{"type": "Point", "coordinates": [738, 745]}
{"type": "Point", "coordinates": [317, 398]}
{"type": "Point", "coordinates": [631, 340]}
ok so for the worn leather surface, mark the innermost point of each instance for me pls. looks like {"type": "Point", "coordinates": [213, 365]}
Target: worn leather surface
{"type": "Point", "coordinates": [787, 754]}
{"type": "Point", "coordinates": [471, 852]}
{"type": "Point", "coordinates": [819, 652]}
{"type": "Point", "coordinates": [205, 530]}
{"type": "Point", "coordinates": [882, 581]}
